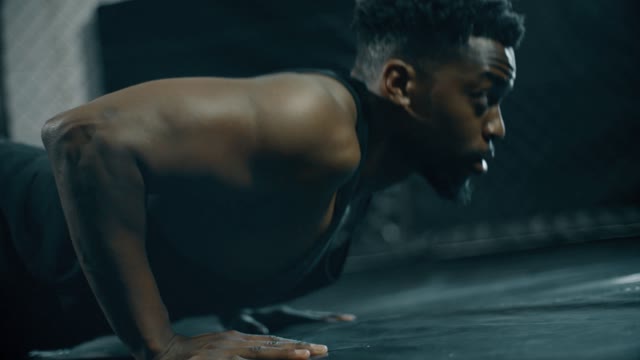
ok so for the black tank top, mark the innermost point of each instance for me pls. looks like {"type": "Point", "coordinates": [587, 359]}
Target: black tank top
{"type": "Point", "coordinates": [321, 264]}
{"type": "Point", "coordinates": [324, 262]}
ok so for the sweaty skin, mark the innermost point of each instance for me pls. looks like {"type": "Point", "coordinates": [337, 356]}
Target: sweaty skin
{"type": "Point", "coordinates": [255, 162]}
{"type": "Point", "coordinates": [246, 172]}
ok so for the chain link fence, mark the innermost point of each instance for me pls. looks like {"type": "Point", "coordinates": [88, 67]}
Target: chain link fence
{"type": "Point", "coordinates": [568, 171]}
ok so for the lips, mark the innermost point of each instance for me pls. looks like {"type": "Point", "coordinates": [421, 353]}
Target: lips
{"type": "Point", "coordinates": [479, 163]}
{"type": "Point", "coordinates": [480, 166]}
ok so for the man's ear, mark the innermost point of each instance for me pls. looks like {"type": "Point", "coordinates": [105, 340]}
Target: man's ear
{"type": "Point", "coordinates": [398, 80]}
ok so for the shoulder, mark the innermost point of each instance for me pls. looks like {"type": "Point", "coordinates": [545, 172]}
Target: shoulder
{"type": "Point", "coordinates": [310, 117]}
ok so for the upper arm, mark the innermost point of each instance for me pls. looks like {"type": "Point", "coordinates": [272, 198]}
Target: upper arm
{"type": "Point", "coordinates": [100, 186]}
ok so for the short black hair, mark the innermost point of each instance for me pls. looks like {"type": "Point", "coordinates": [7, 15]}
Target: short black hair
{"type": "Point", "coordinates": [428, 28]}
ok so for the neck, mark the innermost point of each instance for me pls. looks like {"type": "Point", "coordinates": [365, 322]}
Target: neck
{"type": "Point", "coordinates": [386, 162]}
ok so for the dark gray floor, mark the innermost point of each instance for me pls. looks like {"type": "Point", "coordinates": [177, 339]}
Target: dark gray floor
{"type": "Point", "coordinates": [575, 302]}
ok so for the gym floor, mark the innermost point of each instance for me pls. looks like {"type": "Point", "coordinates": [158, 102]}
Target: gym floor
{"type": "Point", "coordinates": [578, 301]}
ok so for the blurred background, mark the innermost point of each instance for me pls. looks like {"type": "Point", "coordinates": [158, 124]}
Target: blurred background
{"type": "Point", "coordinates": [569, 170]}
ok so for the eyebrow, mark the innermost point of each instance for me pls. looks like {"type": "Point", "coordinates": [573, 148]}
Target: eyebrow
{"type": "Point", "coordinates": [496, 79]}
{"type": "Point", "coordinates": [501, 86]}
{"type": "Point", "coordinates": [503, 62]}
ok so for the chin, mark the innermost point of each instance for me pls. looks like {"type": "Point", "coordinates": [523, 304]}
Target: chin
{"type": "Point", "coordinates": [463, 193]}
{"type": "Point", "coordinates": [459, 190]}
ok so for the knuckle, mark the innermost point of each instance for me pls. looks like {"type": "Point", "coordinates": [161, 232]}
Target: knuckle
{"type": "Point", "coordinates": [289, 352]}
{"type": "Point", "coordinates": [273, 343]}
{"type": "Point", "coordinates": [232, 333]}
{"type": "Point", "coordinates": [209, 346]}
{"type": "Point", "coordinates": [303, 343]}
{"type": "Point", "coordinates": [273, 338]}
{"type": "Point", "coordinates": [256, 349]}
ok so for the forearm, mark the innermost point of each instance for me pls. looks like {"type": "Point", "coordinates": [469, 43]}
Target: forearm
{"type": "Point", "coordinates": [102, 195]}
{"type": "Point", "coordinates": [120, 277]}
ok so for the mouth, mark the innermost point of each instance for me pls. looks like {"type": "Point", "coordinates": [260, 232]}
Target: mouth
{"type": "Point", "coordinates": [479, 163]}
{"type": "Point", "coordinates": [480, 166]}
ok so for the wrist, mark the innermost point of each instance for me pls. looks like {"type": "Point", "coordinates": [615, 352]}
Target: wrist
{"type": "Point", "coordinates": [156, 346]}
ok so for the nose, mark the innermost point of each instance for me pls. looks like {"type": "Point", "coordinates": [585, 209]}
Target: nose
{"type": "Point", "coordinates": [494, 126]}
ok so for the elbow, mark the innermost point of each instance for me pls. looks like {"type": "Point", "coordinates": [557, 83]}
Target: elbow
{"type": "Point", "coordinates": [66, 138]}
{"type": "Point", "coordinates": [50, 132]}
{"type": "Point", "coordinates": [53, 138]}
{"type": "Point", "coordinates": [64, 131]}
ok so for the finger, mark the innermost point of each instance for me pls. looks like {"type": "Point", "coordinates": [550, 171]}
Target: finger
{"type": "Point", "coordinates": [275, 341]}
{"type": "Point", "coordinates": [314, 349]}
{"type": "Point", "coordinates": [340, 318]}
{"type": "Point", "coordinates": [266, 352]}
{"type": "Point", "coordinates": [269, 338]}
{"type": "Point", "coordinates": [247, 323]}
{"type": "Point", "coordinates": [318, 315]}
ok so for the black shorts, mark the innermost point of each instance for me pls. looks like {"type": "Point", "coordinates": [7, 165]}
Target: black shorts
{"type": "Point", "coordinates": [30, 206]}
{"type": "Point", "coordinates": [46, 300]}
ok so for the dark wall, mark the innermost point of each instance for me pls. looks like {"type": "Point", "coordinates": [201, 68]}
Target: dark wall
{"type": "Point", "coordinates": [572, 122]}
{"type": "Point", "coordinates": [143, 40]}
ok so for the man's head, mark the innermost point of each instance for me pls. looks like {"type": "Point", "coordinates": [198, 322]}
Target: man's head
{"type": "Point", "coordinates": [446, 64]}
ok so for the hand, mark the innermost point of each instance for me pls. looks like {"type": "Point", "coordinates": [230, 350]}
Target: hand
{"type": "Point", "coordinates": [273, 319]}
{"type": "Point", "coordinates": [233, 345]}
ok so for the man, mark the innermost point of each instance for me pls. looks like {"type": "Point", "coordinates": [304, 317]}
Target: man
{"type": "Point", "coordinates": [195, 195]}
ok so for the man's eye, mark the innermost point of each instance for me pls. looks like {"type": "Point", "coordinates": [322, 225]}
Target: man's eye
{"type": "Point", "coordinates": [478, 95]}
{"type": "Point", "coordinates": [480, 101]}
{"type": "Point", "coordinates": [480, 108]}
